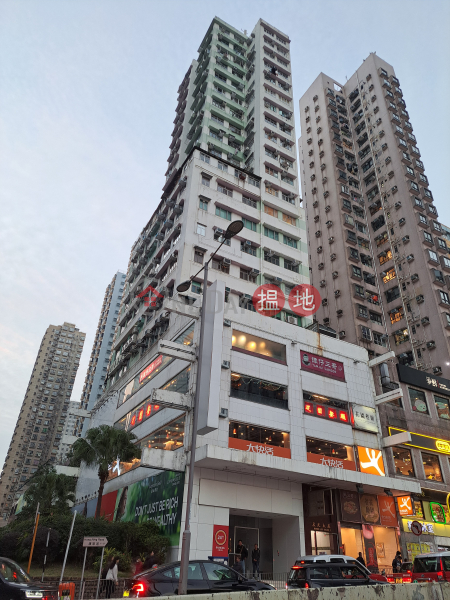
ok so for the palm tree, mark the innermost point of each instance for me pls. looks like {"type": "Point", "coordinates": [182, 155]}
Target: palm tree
{"type": "Point", "coordinates": [102, 446]}
{"type": "Point", "coordinates": [53, 492]}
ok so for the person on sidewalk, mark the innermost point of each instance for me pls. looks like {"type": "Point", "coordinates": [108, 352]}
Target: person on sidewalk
{"type": "Point", "coordinates": [238, 565]}
{"type": "Point", "coordinates": [397, 562]}
{"type": "Point", "coordinates": [256, 555]}
{"type": "Point", "coordinates": [360, 559]}
{"type": "Point", "coordinates": [112, 577]}
{"type": "Point", "coordinates": [242, 551]}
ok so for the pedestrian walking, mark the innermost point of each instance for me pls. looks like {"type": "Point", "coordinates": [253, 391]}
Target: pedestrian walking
{"type": "Point", "coordinates": [149, 562]}
{"type": "Point", "coordinates": [360, 559]}
{"type": "Point", "coordinates": [242, 551]}
{"type": "Point", "coordinates": [112, 577]}
{"type": "Point", "coordinates": [238, 567]}
{"type": "Point", "coordinates": [138, 566]}
{"type": "Point", "coordinates": [256, 555]}
{"type": "Point", "coordinates": [397, 562]}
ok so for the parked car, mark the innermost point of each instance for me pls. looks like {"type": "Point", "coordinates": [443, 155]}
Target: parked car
{"type": "Point", "coordinates": [432, 567]}
{"type": "Point", "coordinates": [329, 574]}
{"type": "Point", "coordinates": [205, 577]}
{"type": "Point", "coordinates": [17, 584]}
{"type": "Point", "coordinates": [338, 558]}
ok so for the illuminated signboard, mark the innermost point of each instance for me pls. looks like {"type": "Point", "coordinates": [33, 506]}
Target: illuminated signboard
{"type": "Point", "coordinates": [405, 506]}
{"type": "Point", "coordinates": [423, 380]}
{"type": "Point", "coordinates": [425, 442]}
{"type": "Point", "coordinates": [326, 412]}
{"type": "Point", "coordinates": [314, 363]}
{"type": "Point", "coordinates": [151, 367]}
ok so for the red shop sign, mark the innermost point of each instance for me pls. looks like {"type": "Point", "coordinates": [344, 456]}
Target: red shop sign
{"type": "Point", "coordinates": [267, 449]}
{"type": "Point", "coordinates": [151, 367]}
{"type": "Point", "coordinates": [329, 461]}
{"type": "Point", "coordinates": [220, 541]}
{"type": "Point", "coordinates": [314, 363]}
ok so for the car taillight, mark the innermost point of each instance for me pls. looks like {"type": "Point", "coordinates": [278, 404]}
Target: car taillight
{"type": "Point", "coordinates": [138, 587]}
{"type": "Point", "coordinates": [306, 585]}
{"type": "Point", "coordinates": [407, 579]}
{"type": "Point", "coordinates": [440, 575]}
{"type": "Point", "coordinates": [295, 567]}
{"type": "Point", "coordinates": [390, 579]}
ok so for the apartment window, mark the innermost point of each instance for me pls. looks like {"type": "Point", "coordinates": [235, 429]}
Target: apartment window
{"type": "Point", "coordinates": [410, 171]}
{"type": "Point", "coordinates": [221, 212]}
{"type": "Point", "coordinates": [203, 204]}
{"type": "Point", "coordinates": [201, 229]}
{"type": "Point", "coordinates": [446, 262]}
{"type": "Point", "coordinates": [289, 241]}
{"type": "Point", "coordinates": [400, 336]}
{"type": "Point", "coordinates": [359, 291]}
{"type": "Point", "coordinates": [442, 407]}
{"type": "Point", "coordinates": [257, 390]}
{"type": "Point", "coordinates": [428, 237]}
{"type": "Point", "coordinates": [270, 211]}
{"type": "Point", "coordinates": [366, 334]}
{"type": "Point", "coordinates": [351, 237]}
{"type": "Point", "coordinates": [253, 181]}
{"type": "Point", "coordinates": [206, 180]}
{"type": "Point", "coordinates": [418, 401]}
{"type": "Point", "coordinates": [403, 462]}
{"type": "Point", "coordinates": [362, 311]}
{"type": "Point", "coordinates": [271, 172]}
{"type": "Point", "coordinates": [272, 258]}
{"type": "Point", "coordinates": [249, 224]}
{"type": "Point", "coordinates": [356, 272]}
{"type": "Point", "coordinates": [220, 265]}
{"type": "Point", "coordinates": [198, 257]}
{"type": "Point", "coordinates": [249, 202]}
{"type": "Point", "coordinates": [392, 294]}
{"type": "Point", "coordinates": [432, 467]}
{"type": "Point", "coordinates": [378, 222]}
{"type": "Point", "coordinates": [258, 346]}
{"type": "Point", "coordinates": [379, 339]}
{"type": "Point", "coordinates": [271, 191]}
{"type": "Point", "coordinates": [396, 314]}
{"type": "Point", "coordinates": [204, 157]}
{"type": "Point", "coordinates": [433, 256]}
{"type": "Point", "coordinates": [196, 288]}
{"type": "Point", "coordinates": [391, 274]}
{"type": "Point", "coordinates": [438, 276]}
{"type": "Point", "coordinates": [248, 249]}
{"type": "Point", "coordinates": [248, 276]}
{"type": "Point", "coordinates": [224, 190]}
{"type": "Point", "coordinates": [222, 166]}
{"type": "Point", "coordinates": [375, 318]}
{"type": "Point", "coordinates": [354, 254]}
{"type": "Point", "coordinates": [436, 226]}
{"type": "Point", "coordinates": [288, 219]}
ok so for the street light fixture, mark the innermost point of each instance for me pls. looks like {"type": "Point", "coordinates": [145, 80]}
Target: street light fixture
{"type": "Point", "coordinates": [233, 229]}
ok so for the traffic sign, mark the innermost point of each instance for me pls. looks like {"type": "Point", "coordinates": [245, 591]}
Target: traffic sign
{"type": "Point", "coordinates": [97, 542]}
{"type": "Point", "coordinates": [416, 528]}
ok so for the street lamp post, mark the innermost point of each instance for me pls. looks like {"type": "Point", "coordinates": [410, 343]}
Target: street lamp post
{"type": "Point", "coordinates": [233, 229]}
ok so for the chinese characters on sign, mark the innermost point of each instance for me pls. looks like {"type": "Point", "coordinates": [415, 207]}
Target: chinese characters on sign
{"type": "Point", "coordinates": [314, 363]}
{"type": "Point", "coordinates": [426, 527]}
{"type": "Point", "coordinates": [364, 417]}
{"type": "Point", "coordinates": [423, 380]}
{"type": "Point", "coordinates": [94, 542]}
{"type": "Point", "coordinates": [256, 448]}
{"type": "Point", "coordinates": [304, 300]}
{"type": "Point", "coordinates": [151, 367]}
{"type": "Point", "coordinates": [329, 461]}
{"type": "Point", "coordinates": [369, 509]}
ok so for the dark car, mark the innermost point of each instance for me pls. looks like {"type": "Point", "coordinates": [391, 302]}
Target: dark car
{"type": "Point", "coordinates": [16, 584]}
{"type": "Point", "coordinates": [204, 577]}
{"type": "Point", "coordinates": [329, 575]}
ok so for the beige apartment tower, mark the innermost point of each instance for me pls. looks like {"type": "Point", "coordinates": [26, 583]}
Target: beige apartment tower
{"type": "Point", "coordinates": [379, 257]}
{"type": "Point", "coordinates": [39, 428]}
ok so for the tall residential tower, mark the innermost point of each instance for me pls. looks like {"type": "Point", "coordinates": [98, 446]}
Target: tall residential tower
{"type": "Point", "coordinates": [39, 428]}
{"type": "Point", "coordinates": [379, 257]}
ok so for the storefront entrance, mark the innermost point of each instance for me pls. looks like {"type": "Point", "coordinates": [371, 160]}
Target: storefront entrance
{"type": "Point", "coordinates": [252, 530]}
{"type": "Point", "coordinates": [385, 538]}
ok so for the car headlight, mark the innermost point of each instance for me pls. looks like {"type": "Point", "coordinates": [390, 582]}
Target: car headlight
{"type": "Point", "coordinates": [33, 594]}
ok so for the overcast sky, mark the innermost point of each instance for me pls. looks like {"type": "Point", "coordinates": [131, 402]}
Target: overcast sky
{"type": "Point", "coordinates": [88, 90]}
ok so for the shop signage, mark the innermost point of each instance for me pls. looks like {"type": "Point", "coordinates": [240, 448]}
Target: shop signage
{"type": "Point", "coordinates": [97, 542]}
{"type": "Point", "coordinates": [405, 506]}
{"type": "Point", "coordinates": [427, 528]}
{"type": "Point", "coordinates": [329, 461]}
{"type": "Point", "coordinates": [423, 380]}
{"type": "Point", "coordinates": [388, 517]}
{"type": "Point", "coordinates": [150, 368]}
{"type": "Point", "coordinates": [370, 547]}
{"type": "Point", "coordinates": [415, 549]}
{"type": "Point", "coordinates": [437, 512]}
{"type": "Point", "coordinates": [314, 363]}
{"type": "Point", "coordinates": [369, 509]}
{"type": "Point", "coordinates": [425, 442]}
{"type": "Point", "coordinates": [365, 418]}
{"type": "Point", "coordinates": [371, 461]}
{"type": "Point", "coordinates": [326, 412]}
{"type": "Point", "coordinates": [158, 498]}
{"type": "Point", "coordinates": [322, 523]}
{"type": "Point", "coordinates": [119, 468]}
{"type": "Point", "coordinates": [220, 541]}
{"type": "Point", "coordinates": [350, 510]}
{"type": "Point", "coordinates": [248, 446]}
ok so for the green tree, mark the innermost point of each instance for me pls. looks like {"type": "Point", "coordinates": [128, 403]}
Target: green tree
{"type": "Point", "coordinates": [101, 447]}
{"type": "Point", "coordinates": [53, 491]}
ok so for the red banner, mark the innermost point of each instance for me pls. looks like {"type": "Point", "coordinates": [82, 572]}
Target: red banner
{"type": "Point", "coordinates": [108, 505]}
{"type": "Point", "coordinates": [314, 363]}
{"type": "Point", "coordinates": [329, 461]}
{"type": "Point", "coordinates": [248, 446]}
{"type": "Point", "coordinates": [151, 367]}
{"type": "Point", "coordinates": [220, 541]}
